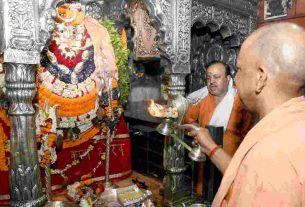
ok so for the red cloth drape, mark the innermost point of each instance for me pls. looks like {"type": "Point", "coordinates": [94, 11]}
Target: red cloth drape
{"type": "Point", "coordinates": [120, 162]}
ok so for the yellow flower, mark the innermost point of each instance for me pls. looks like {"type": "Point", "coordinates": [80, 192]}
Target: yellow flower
{"type": "Point", "coordinates": [75, 162]}
{"type": "Point", "coordinates": [103, 157]}
{"type": "Point", "coordinates": [91, 147]}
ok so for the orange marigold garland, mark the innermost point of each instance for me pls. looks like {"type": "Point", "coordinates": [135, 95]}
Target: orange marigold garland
{"type": "Point", "coordinates": [83, 189]}
{"type": "Point", "coordinates": [3, 141]}
{"type": "Point", "coordinates": [84, 137]}
{"type": "Point", "coordinates": [3, 160]}
{"type": "Point", "coordinates": [47, 152]}
{"type": "Point", "coordinates": [77, 160]}
{"type": "Point", "coordinates": [68, 107]}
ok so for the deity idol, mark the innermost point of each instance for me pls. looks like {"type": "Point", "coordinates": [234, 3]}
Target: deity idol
{"type": "Point", "coordinates": [77, 87]}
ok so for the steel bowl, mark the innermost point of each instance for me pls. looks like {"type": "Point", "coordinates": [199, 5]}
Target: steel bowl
{"type": "Point", "coordinates": [198, 205]}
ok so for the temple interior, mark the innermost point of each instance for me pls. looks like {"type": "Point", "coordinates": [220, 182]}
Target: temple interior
{"type": "Point", "coordinates": [78, 78]}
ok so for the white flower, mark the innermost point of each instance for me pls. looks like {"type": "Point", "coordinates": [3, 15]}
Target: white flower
{"type": "Point", "coordinates": [84, 203]}
{"type": "Point", "coordinates": [72, 192]}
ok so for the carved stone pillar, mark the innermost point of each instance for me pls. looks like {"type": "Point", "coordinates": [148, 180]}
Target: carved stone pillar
{"type": "Point", "coordinates": [25, 185]}
{"type": "Point", "coordinates": [172, 20]}
{"type": "Point", "coordinates": [26, 26]}
{"type": "Point", "coordinates": [176, 84]}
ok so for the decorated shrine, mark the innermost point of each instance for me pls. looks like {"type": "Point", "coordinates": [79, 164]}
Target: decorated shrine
{"type": "Point", "coordinates": [78, 104]}
{"type": "Point", "coordinates": [76, 77]}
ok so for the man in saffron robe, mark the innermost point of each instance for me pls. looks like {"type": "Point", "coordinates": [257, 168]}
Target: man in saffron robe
{"type": "Point", "coordinates": [235, 120]}
{"type": "Point", "coordinates": [268, 168]}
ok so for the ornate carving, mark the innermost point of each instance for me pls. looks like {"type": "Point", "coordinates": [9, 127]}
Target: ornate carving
{"type": "Point", "coordinates": [111, 9]}
{"type": "Point", "coordinates": [23, 39]}
{"type": "Point", "coordinates": [46, 23]}
{"type": "Point", "coordinates": [25, 185]}
{"type": "Point", "coordinates": [184, 42]}
{"type": "Point", "coordinates": [201, 12]}
{"type": "Point", "coordinates": [20, 93]}
{"type": "Point", "coordinates": [160, 12]}
{"type": "Point", "coordinates": [19, 31]}
{"type": "Point", "coordinates": [172, 20]}
{"type": "Point", "coordinates": [176, 84]}
{"type": "Point", "coordinates": [219, 18]}
{"type": "Point", "coordinates": [95, 9]}
{"type": "Point", "coordinates": [145, 45]}
{"type": "Point", "coordinates": [224, 30]}
{"type": "Point", "coordinates": [241, 6]}
{"type": "Point", "coordinates": [21, 23]}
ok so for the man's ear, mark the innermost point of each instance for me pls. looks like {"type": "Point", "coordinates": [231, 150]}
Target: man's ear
{"type": "Point", "coordinates": [228, 78]}
{"type": "Point", "coordinates": [261, 79]}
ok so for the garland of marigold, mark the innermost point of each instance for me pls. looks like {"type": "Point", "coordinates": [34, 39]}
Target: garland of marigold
{"type": "Point", "coordinates": [4, 117]}
{"type": "Point", "coordinates": [68, 107]}
{"type": "Point", "coordinates": [46, 158]}
{"type": "Point", "coordinates": [82, 138]}
{"type": "Point", "coordinates": [3, 160]}
{"type": "Point", "coordinates": [3, 139]}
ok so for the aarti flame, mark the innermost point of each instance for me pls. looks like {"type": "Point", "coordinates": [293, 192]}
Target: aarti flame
{"type": "Point", "coordinates": [161, 111]}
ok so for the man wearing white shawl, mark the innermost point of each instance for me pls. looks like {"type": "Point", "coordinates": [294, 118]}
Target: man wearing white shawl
{"type": "Point", "coordinates": [218, 104]}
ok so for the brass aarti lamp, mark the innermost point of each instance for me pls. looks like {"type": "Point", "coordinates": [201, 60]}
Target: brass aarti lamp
{"type": "Point", "coordinates": [172, 121]}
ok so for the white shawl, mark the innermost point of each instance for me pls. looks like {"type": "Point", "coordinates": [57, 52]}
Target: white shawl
{"type": "Point", "coordinates": [223, 110]}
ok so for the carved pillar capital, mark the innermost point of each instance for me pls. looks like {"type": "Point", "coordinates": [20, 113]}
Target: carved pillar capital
{"type": "Point", "coordinates": [176, 84]}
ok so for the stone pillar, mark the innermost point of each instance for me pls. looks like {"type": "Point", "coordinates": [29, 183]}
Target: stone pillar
{"type": "Point", "coordinates": [25, 184]}
{"type": "Point", "coordinates": [172, 19]}
{"type": "Point", "coordinates": [25, 26]}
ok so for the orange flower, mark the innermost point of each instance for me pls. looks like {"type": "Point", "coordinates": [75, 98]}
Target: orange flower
{"type": "Point", "coordinates": [75, 162]}
{"type": "Point", "coordinates": [3, 139]}
{"type": "Point", "coordinates": [88, 182]}
{"type": "Point", "coordinates": [82, 138]}
{"type": "Point", "coordinates": [4, 118]}
{"type": "Point", "coordinates": [68, 106]}
{"type": "Point", "coordinates": [84, 177]}
{"type": "Point", "coordinates": [3, 161]}
{"type": "Point", "coordinates": [114, 83]}
{"type": "Point", "coordinates": [124, 39]}
{"type": "Point", "coordinates": [98, 190]}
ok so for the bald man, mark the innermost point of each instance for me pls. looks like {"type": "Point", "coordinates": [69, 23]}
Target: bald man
{"type": "Point", "coordinates": [268, 168]}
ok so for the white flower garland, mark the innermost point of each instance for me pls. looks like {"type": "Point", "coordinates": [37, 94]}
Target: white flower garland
{"type": "Point", "coordinates": [44, 148]}
{"type": "Point", "coordinates": [65, 89]}
{"type": "Point", "coordinates": [62, 172]}
{"type": "Point", "coordinates": [77, 121]}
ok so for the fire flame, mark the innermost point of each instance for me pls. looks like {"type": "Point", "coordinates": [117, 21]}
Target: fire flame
{"type": "Point", "coordinates": [161, 111]}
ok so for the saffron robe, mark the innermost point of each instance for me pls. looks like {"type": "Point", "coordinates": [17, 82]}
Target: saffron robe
{"type": "Point", "coordinates": [268, 168]}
